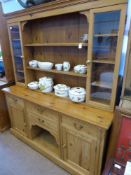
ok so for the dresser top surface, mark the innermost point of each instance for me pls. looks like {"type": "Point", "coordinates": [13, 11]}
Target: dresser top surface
{"type": "Point", "coordinates": [98, 117]}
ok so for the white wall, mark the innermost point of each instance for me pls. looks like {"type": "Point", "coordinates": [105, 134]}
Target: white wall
{"type": "Point", "coordinates": [10, 6]}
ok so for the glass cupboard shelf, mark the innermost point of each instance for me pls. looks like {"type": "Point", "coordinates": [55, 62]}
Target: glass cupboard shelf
{"type": "Point", "coordinates": [54, 44]}
{"type": "Point", "coordinates": [20, 71]}
{"type": "Point", "coordinates": [102, 84]}
{"type": "Point", "coordinates": [100, 100]}
{"type": "Point", "coordinates": [104, 61]}
{"type": "Point", "coordinates": [71, 73]}
{"type": "Point", "coordinates": [16, 39]}
{"type": "Point", "coordinates": [106, 35]}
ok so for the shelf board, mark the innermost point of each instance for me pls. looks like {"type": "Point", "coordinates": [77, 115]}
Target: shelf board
{"type": "Point", "coordinates": [104, 47]}
{"type": "Point", "coordinates": [55, 44]}
{"type": "Point", "coordinates": [16, 39]}
{"type": "Point", "coordinates": [106, 35]}
{"type": "Point", "coordinates": [48, 142]}
{"type": "Point", "coordinates": [98, 100]}
{"type": "Point", "coordinates": [71, 73]}
{"type": "Point", "coordinates": [55, 96]}
{"type": "Point", "coordinates": [102, 84]}
{"type": "Point", "coordinates": [104, 61]}
{"type": "Point", "coordinates": [20, 71]}
{"type": "Point", "coordinates": [106, 21]}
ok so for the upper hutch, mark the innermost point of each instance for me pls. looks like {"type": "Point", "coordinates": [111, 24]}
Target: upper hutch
{"type": "Point", "coordinates": [72, 135]}
{"type": "Point", "coordinates": [54, 33]}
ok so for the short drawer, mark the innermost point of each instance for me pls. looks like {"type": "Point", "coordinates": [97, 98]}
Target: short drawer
{"type": "Point", "coordinates": [46, 113]}
{"type": "Point", "coordinates": [15, 101]}
{"type": "Point", "coordinates": [43, 122]}
{"type": "Point", "coordinates": [43, 117]}
{"type": "Point", "coordinates": [80, 126]}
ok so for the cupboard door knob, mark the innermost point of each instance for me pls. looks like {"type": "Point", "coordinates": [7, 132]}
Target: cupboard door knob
{"type": "Point", "coordinates": [78, 127]}
{"type": "Point", "coordinates": [40, 109]}
{"type": "Point", "coordinates": [88, 61]}
{"type": "Point", "coordinates": [25, 124]}
{"type": "Point", "coordinates": [42, 121]}
{"type": "Point", "coordinates": [64, 145]}
{"type": "Point", "coordinates": [15, 100]}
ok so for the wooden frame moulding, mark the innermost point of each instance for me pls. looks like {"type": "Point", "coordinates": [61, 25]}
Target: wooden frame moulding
{"type": "Point", "coordinates": [12, 53]}
{"type": "Point", "coordinates": [53, 9]}
{"type": "Point", "coordinates": [117, 58]}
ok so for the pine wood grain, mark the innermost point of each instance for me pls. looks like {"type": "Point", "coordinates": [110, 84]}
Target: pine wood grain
{"type": "Point", "coordinates": [85, 113]}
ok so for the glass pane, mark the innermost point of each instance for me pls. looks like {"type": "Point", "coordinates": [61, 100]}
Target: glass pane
{"type": "Point", "coordinates": [104, 48]}
{"type": "Point", "coordinates": [17, 52]}
{"type": "Point", "coordinates": [105, 36]}
{"type": "Point", "coordinates": [101, 82]}
{"type": "Point", "coordinates": [107, 22]}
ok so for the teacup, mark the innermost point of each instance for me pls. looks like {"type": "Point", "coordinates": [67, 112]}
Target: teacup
{"type": "Point", "coordinates": [66, 66]}
{"type": "Point", "coordinates": [58, 67]}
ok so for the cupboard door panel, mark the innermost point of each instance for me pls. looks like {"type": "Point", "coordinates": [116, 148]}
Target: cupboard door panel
{"type": "Point", "coordinates": [105, 43]}
{"type": "Point", "coordinates": [18, 119]}
{"type": "Point", "coordinates": [17, 114]}
{"type": "Point", "coordinates": [79, 152]}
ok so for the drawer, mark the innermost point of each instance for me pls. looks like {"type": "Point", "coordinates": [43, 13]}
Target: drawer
{"type": "Point", "coordinates": [80, 126]}
{"type": "Point", "coordinates": [15, 101]}
{"type": "Point", "coordinates": [46, 113]}
{"type": "Point", "coordinates": [43, 117]}
{"type": "Point", "coordinates": [45, 123]}
{"type": "Point", "coordinates": [42, 121]}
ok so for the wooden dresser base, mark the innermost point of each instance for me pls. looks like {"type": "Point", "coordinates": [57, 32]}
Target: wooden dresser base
{"type": "Point", "coordinates": [46, 153]}
{"type": "Point", "coordinates": [72, 138]}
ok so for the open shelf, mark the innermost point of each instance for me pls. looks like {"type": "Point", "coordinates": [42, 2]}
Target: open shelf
{"type": "Point", "coordinates": [71, 73]}
{"type": "Point", "coordinates": [104, 61]}
{"type": "Point", "coordinates": [46, 140]}
{"type": "Point", "coordinates": [55, 44]}
{"type": "Point", "coordinates": [102, 84]}
{"type": "Point", "coordinates": [105, 35]}
{"type": "Point", "coordinates": [55, 96]}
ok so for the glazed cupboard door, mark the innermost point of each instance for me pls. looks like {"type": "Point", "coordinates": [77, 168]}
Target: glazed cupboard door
{"type": "Point", "coordinates": [17, 114]}
{"type": "Point", "coordinates": [17, 55]}
{"type": "Point", "coordinates": [105, 43]}
{"type": "Point", "coordinates": [79, 151]}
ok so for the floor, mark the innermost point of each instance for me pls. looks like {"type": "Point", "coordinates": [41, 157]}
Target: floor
{"type": "Point", "coordinates": [16, 158]}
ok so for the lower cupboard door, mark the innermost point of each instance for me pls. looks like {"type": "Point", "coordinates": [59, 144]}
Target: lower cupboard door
{"type": "Point", "coordinates": [80, 153]}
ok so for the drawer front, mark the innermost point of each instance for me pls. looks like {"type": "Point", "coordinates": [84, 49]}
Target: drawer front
{"type": "Point", "coordinates": [45, 113]}
{"type": "Point", "coordinates": [43, 122]}
{"type": "Point", "coordinates": [80, 126]}
{"type": "Point", "coordinates": [15, 101]}
{"type": "Point", "coordinates": [44, 118]}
